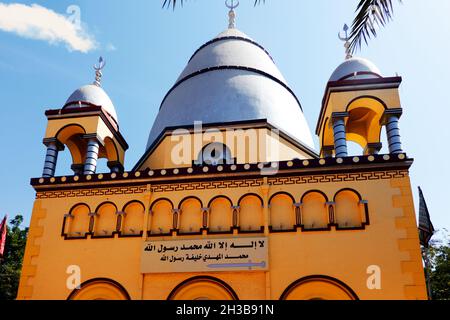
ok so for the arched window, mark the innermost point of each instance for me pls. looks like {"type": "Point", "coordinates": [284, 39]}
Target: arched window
{"type": "Point", "coordinates": [282, 212]}
{"type": "Point", "coordinates": [191, 218]}
{"type": "Point", "coordinates": [79, 223]}
{"type": "Point", "coordinates": [221, 215]}
{"type": "Point", "coordinates": [162, 217]}
{"type": "Point", "coordinates": [314, 211]}
{"type": "Point", "coordinates": [203, 288]}
{"type": "Point", "coordinates": [215, 154]}
{"type": "Point", "coordinates": [348, 209]}
{"type": "Point", "coordinates": [251, 216]}
{"type": "Point", "coordinates": [100, 289]}
{"type": "Point", "coordinates": [318, 288]}
{"type": "Point", "coordinates": [133, 219]}
{"type": "Point", "coordinates": [106, 220]}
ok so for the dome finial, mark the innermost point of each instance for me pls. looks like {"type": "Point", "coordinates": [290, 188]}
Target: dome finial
{"type": "Point", "coordinates": [348, 53]}
{"type": "Point", "coordinates": [98, 71]}
{"type": "Point", "coordinates": [231, 14]}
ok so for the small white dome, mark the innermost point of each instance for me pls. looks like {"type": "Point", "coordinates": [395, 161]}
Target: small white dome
{"type": "Point", "coordinates": [91, 94]}
{"type": "Point", "coordinates": [356, 69]}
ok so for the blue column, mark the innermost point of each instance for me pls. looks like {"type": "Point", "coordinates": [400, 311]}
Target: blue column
{"type": "Point", "coordinates": [393, 134]}
{"type": "Point", "coordinates": [93, 147]}
{"type": "Point", "coordinates": [50, 160]}
{"type": "Point", "coordinates": [340, 137]}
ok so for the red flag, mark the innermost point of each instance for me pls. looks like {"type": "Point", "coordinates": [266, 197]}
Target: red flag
{"type": "Point", "coordinates": [2, 236]}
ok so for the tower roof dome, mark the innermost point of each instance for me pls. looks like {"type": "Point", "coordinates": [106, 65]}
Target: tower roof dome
{"type": "Point", "coordinates": [91, 95]}
{"type": "Point", "coordinates": [356, 68]}
{"type": "Point", "coordinates": [229, 79]}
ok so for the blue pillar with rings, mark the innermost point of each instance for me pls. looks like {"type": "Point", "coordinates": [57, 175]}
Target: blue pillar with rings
{"type": "Point", "coordinates": [340, 137]}
{"type": "Point", "coordinates": [93, 148]}
{"type": "Point", "coordinates": [393, 134]}
{"type": "Point", "coordinates": [51, 158]}
{"type": "Point", "coordinates": [390, 119]}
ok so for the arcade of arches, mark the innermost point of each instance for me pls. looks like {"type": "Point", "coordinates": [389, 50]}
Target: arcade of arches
{"type": "Point", "coordinates": [211, 288]}
{"type": "Point", "coordinates": [313, 212]}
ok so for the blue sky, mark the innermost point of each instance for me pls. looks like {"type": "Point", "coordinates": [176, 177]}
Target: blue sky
{"type": "Point", "coordinates": [146, 49]}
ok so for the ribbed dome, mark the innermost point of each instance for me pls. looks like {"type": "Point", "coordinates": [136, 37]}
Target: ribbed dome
{"type": "Point", "coordinates": [232, 78]}
{"type": "Point", "coordinates": [356, 69]}
{"type": "Point", "coordinates": [91, 94]}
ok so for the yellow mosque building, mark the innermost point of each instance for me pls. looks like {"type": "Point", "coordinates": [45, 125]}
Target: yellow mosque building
{"type": "Point", "coordinates": [231, 200]}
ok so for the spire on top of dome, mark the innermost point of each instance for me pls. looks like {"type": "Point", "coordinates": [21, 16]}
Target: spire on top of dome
{"type": "Point", "coordinates": [98, 72]}
{"type": "Point", "coordinates": [346, 38]}
{"type": "Point", "coordinates": [231, 13]}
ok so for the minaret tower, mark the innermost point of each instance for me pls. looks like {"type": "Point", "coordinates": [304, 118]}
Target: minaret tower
{"type": "Point", "coordinates": [87, 125]}
{"type": "Point", "coordinates": [357, 104]}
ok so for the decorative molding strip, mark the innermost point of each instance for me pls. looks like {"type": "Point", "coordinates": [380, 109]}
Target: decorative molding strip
{"type": "Point", "coordinates": [227, 184]}
{"type": "Point", "coordinates": [340, 177]}
{"type": "Point", "coordinates": [296, 167]}
{"type": "Point", "coordinates": [91, 192]}
{"type": "Point", "coordinates": [208, 185]}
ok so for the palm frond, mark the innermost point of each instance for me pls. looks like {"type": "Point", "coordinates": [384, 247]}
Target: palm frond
{"type": "Point", "coordinates": [172, 3]}
{"type": "Point", "coordinates": [371, 14]}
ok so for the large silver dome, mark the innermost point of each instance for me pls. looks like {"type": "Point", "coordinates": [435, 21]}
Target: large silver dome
{"type": "Point", "coordinates": [232, 78]}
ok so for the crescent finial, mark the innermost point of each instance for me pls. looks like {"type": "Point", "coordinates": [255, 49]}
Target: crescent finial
{"type": "Point", "coordinates": [98, 71]}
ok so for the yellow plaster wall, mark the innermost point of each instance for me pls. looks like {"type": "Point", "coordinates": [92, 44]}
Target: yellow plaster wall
{"type": "Point", "coordinates": [264, 148]}
{"type": "Point", "coordinates": [390, 242]}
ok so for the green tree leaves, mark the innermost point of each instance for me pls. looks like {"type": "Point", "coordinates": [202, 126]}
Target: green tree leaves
{"type": "Point", "coordinates": [439, 257]}
{"type": "Point", "coordinates": [11, 264]}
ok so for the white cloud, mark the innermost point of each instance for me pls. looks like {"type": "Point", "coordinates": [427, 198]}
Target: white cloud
{"type": "Point", "coordinates": [40, 23]}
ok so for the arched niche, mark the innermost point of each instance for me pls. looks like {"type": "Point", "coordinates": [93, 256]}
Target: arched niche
{"type": "Point", "coordinates": [109, 156]}
{"type": "Point", "coordinates": [348, 209]}
{"type": "Point", "coordinates": [100, 289]}
{"type": "Point", "coordinates": [191, 218]}
{"type": "Point", "coordinates": [318, 288]}
{"type": "Point", "coordinates": [106, 220]}
{"type": "Point", "coordinates": [109, 151]}
{"type": "Point", "coordinates": [220, 214]}
{"type": "Point", "coordinates": [203, 288]}
{"type": "Point", "coordinates": [251, 217]}
{"type": "Point", "coordinates": [282, 212]}
{"type": "Point", "coordinates": [161, 222]}
{"type": "Point", "coordinates": [79, 221]}
{"type": "Point", "coordinates": [72, 136]}
{"type": "Point", "coordinates": [363, 124]}
{"type": "Point", "coordinates": [314, 211]}
{"type": "Point", "coordinates": [133, 219]}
